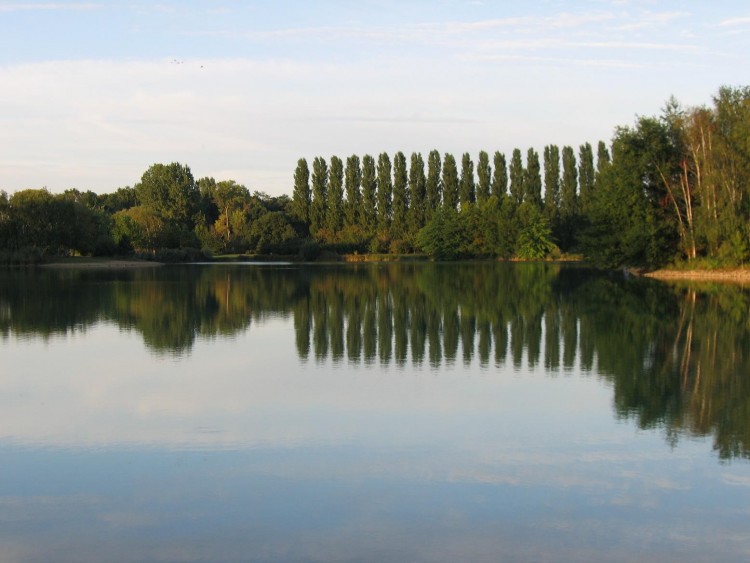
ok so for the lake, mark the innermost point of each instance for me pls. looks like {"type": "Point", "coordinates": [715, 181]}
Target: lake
{"type": "Point", "coordinates": [372, 412]}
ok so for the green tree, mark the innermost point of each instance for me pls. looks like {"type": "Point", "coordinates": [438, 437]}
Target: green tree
{"type": "Point", "coordinates": [499, 176]}
{"type": "Point", "coordinates": [122, 198]}
{"type": "Point", "coordinates": [143, 229]}
{"type": "Point", "coordinates": [445, 236]}
{"type": "Point", "coordinates": [627, 223]}
{"type": "Point", "coordinates": [368, 211]}
{"type": "Point", "coordinates": [533, 179]}
{"type": "Point", "coordinates": [318, 205]}
{"type": "Point", "coordinates": [433, 188]}
{"type": "Point", "coordinates": [516, 172]}
{"type": "Point", "coordinates": [399, 225]}
{"type": "Point", "coordinates": [385, 194]}
{"type": "Point", "coordinates": [535, 236]}
{"type": "Point", "coordinates": [552, 184]}
{"type": "Point", "coordinates": [586, 175]}
{"type": "Point", "coordinates": [450, 182]}
{"type": "Point", "coordinates": [602, 158]}
{"type": "Point", "coordinates": [353, 183]}
{"type": "Point", "coordinates": [301, 196]}
{"type": "Point", "coordinates": [568, 200]}
{"type": "Point", "coordinates": [484, 175]}
{"type": "Point", "coordinates": [417, 190]}
{"type": "Point", "coordinates": [335, 209]}
{"type": "Point", "coordinates": [229, 197]}
{"type": "Point", "coordinates": [170, 191]}
{"type": "Point", "coordinates": [272, 233]}
{"type": "Point", "coordinates": [208, 211]}
{"type": "Point", "coordinates": [466, 188]}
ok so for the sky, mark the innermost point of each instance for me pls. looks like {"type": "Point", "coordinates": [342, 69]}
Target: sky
{"type": "Point", "coordinates": [93, 93]}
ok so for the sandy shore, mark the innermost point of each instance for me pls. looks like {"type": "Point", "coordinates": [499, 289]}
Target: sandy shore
{"type": "Point", "coordinates": [103, 264]}
{"type": "Point", "coordinates": [739, 275]}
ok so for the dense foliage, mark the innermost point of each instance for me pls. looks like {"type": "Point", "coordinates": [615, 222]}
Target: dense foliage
{"type": "Point", "coordinates": [668, 188]}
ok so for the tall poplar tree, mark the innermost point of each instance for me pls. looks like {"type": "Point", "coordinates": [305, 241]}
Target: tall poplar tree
{"type": "Point", "coordinates": [533, 179]}
{"type": "Point", "coordinates": [603, 160]}
{"type": "Point", "coordinates": [417, 194]}
{"type": "Point", "coordinates": [352, 185]}
{"type": "Point", "coordinates": [552, 183]}
{"type": "Point", "coordinates": [385, 193]}
{"type": "Point", "coordinates": [368, 212]}
{"type": "Point", "coordinates": [499, 176]}
{"type": "Point", "coordinates": [335, 210]}
{"type": "Point", "coordinates": [399, 225]}
{"type": "Point", "coordinates": [450, 182]}
{"type": "Point", "coordinates": [484, 174]}
{"type": "Point", "coordinates": [433, 186]}
{"type": "Point", "coordinates": [319, 195]}
{"type": "Point", "coordinates": [586, 176]}
{"type": "Point", "coordinates": [568, 199]}
{"type": "Point", "coordinates": [516, 177]}
{"type": "Point", "coordinates": [466, 190]}
{"type": "Point", "coordinates": [301, 196]}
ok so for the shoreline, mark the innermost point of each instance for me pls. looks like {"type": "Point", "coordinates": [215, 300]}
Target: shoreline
{"type": "Point", "coordinates": [736, 275]}
{"type": "Point", "coordinates": [101, 264]}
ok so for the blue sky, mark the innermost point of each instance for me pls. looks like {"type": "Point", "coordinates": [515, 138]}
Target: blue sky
{"type": "Point", "coordinates": [93, 93]}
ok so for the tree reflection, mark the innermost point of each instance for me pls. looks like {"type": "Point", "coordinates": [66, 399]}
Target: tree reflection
{"type": "Point", "coordinates": [676, 355]}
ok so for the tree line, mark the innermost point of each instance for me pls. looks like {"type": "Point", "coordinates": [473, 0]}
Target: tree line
{"type": "Point", "coordinates": [672, 187]}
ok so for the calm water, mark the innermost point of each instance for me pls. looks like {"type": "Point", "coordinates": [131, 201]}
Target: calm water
{"type": "Point", "coordinates": [465, 412]}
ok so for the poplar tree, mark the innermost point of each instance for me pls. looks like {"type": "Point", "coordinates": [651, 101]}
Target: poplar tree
{"type": "Point", "coordinates": [466, 190]}
{"type": "Point", "coordinates": [352, 185]}
{"type": "Point", "coordinates": [586, 176]}
{"type": "Point", "coordinates": [417, 194]}
{"type": "Point", "coordinates": [568, 197]}
{"type": "Point", "coordinates": [516, 177]}
{"type": "Point", "coordinates": [319, 194]}
{"type": "Point", "coordinates": [385, 193]}
{"type": "Point", "coordinates": [301, 195]}
{"type": "Point", "coordinates": [450, 182]}
{"type": "Point", "coordinates": [484, 174]}
{"type": "Point", "coordinates": [433, 187]}
{"type": "Point", "coordinates": [568, 200]}
{"type": "Point", "coordinates": [368, 211]}
{"type": "Point", "coordinates": [552, 183]}
{"type": "Point", "coordinates": [603, 161]}
{"type": "Point", "coordinates": [533, 179]}
{"type": "Point", "coordinates": [499, 176]}
{"type": "Point", "coordinates": [400, 197]}
{"type": "Point", "coordinates": [335, 210]}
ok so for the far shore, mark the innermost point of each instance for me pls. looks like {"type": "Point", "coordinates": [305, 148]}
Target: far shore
{"type": "Point", "coordinates": [736, 275]}
{"type": "Point", "coordinates": [100, 263]}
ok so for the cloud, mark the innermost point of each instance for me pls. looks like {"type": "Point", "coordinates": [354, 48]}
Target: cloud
{"type": "Point", "coordinates": [649, 20]}
{"type": "Point", "coordinates": [735, 22]}
{"type": "Point", "coordinates": [48, 6]}
{"type": "Point", "coordinates": [603, 63]}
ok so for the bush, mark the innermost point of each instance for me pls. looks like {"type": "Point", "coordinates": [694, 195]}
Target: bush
{"type": "Point", "coordinates": [309, 251]}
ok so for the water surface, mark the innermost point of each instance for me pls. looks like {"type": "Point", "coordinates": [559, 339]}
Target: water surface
{"type": "Point", "coordinates": [418, 412]}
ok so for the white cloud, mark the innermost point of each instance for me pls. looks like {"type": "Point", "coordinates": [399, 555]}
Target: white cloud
{"type": "Point", "coordinates": [48, 6]}
{"type": "Point", "coordinates": [736, 22]}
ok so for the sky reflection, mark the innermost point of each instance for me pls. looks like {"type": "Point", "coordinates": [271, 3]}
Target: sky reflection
{"type": "Point", "coordinates": [240, 448]}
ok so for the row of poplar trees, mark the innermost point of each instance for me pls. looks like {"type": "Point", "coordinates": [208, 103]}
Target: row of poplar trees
{"type": "Point", "coordinates": [389, 203]}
